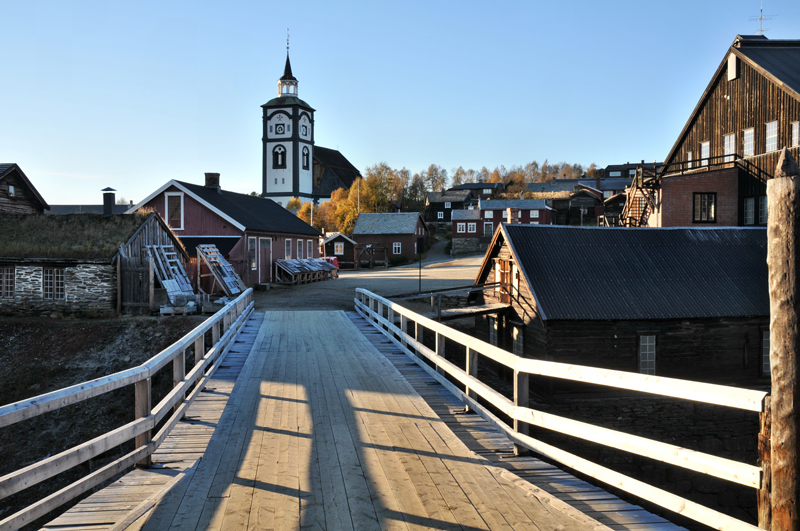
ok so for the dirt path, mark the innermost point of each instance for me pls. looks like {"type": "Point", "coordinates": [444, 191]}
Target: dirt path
{"type": "Point", "coordinates": [338, 294]}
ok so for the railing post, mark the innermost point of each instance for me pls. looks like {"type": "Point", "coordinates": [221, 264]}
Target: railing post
{"type": "Point", "coordinates": [471, 370]}
{"type": "Point", "coordinates": [521, 399]}
{"type": "Point", "coordinates": [764, 460]}
{"type": "Point", "coordinates": [404, 328]}
{"type": "Point", "coordinates": [215, 334]}
{"type": "Point", "coordinates": [380, 314]}
{"type": "Point", "coordinates": [418, 333]}
{"type": "Point", "coordinates": [142, 409]}
{"type": "Point", "coordinates": [199, 348]}
{"type": "Point", "coordinates": [440, 352]}
{"type": "Point", "coordinates": [390, 318]}
{"type": "Point", "coordinates": [178, 373]}
{"type": "Point", "coordinates": [439, 308]}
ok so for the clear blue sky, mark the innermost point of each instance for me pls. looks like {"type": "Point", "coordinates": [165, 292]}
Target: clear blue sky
{"type": "Point", "coordinates": [132, 94]}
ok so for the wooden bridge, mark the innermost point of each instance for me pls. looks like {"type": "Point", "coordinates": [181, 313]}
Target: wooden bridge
{"type": "Point", "coordinates": [320, 420]}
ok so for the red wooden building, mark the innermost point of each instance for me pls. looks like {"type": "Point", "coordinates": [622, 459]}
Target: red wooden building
{"type": "Point", "coordinates": [250, 231]}
{"type": "Point", "coordinates": [398, 232]}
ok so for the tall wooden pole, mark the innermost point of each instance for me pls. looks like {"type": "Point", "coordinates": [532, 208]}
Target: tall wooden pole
{"type": "Point", "coordinates": [783, 195]}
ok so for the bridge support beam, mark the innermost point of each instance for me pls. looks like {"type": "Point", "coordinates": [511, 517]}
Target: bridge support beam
{"type": "Point", "coordinates": [783, 224]}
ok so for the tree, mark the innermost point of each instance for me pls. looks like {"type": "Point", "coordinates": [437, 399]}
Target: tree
{"type": "Point", "coordinates": [436, 178]}
{"type": "Point", "coordinates": [532, 174]}
{"type": "Point", "coordinates": [293, 204]}
{"type": "Point", "coordinates": [459, 176]}
{"type": "Point", "coordinates": [592, 170]}
{"type": "Point", "coordinates": [415, 196]}
{"type": "Point", "coordinates": [484, 175]}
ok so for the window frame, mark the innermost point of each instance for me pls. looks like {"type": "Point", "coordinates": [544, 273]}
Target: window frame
{"type": "Point", "coordinates": [748, 142]}
{"type": "Point", "coordinates": [461, 227]}
{"type": "Point", "coordinates": [472, 228]}
{"type": "Point", "coordinates": [167, 215]}
{"type": "Point", "coordinates": [12, 191]}
{"type": "Point", "coordinates": [705, 152]}
{"type": "Point", "coordinates": [491, 229]}
{"type": "Point", "coordinates": [252, 252]}
{"type": "Point", "coordinates": [397, 248]}
{"type": "Point", "coordinates": [689, 160]}
{"type": "Point", "coordinates": [338, 248]}
{"type": "Point", "coordinates": [440, 215]}
{"type": "Point", "coordinates": [749, 211]}
{"type": "Point", "coordinates": [729, 147]}
{"type": "Point", "coordinates": [647, 354]}
{"type": "Point", "coordinates": [8, 275]}
{"type": "Point", "coordinates": [299, 249]}
{"type": "Point", "coordinates": [309, 248]}
{"type": "Point", "coordinates": [447, 204]}
{"type": "Point", "coordinates": [535, 213]}
{"type": "Point", "coordinates": [697, 208]}
{"type": "Point", "coordinates": [763, 209]}
{"type": "Point", "coordinates": [771, 139]}
{"type": "Point", "coordinates": [53, 284]}
{"type": "Point", "coordinates": [306, 157]}
{"type": "Point", "coordinates": [279, 157]}
{"type": "Point", "coordinates": [517, 340]}
{"type": "Point", "coordinates": [795, 141]}
{"type": "Point", "coordinates": [493, 329]}
{"type": "Point", "coordinates": [287, 249]}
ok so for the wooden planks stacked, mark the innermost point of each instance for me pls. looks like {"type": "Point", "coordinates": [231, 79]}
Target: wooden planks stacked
{"type": "Point", "coordinates": [528, 472]}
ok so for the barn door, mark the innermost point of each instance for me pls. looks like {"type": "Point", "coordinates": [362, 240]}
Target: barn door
{"type": "Point", "coordinates": [264, 260]}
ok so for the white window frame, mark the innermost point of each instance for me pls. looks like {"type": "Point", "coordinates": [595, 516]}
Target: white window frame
{"type": "Point", "coordinates": [397, 248]}
{"type": "Point", "coordinates": [749, 210]}
{"type": "Point", "coordinates": [472, 227]}
{"type": "Point", "coordinates": [705, 152]}
{"type": "Point", "coordinates": [338, 248]}
{"type": "Point", "coordinates": [488, 214]}
{"type": "Point", "coordinates": [795, 134]}
{"type": "Point", "coordinates": [287, 249]}
{"type": "Point", "coordinates": [535, 213]}
{"type": "Point", "coordinates": [309, 248]}
{"type": "Point", "coordinates": [461, 227]}
{"type": "Point", "coordinates": [729, 142]}
{"type": "Point", "coordinates": [647, 354]}
{"type": "Point", "coordinates": [167, 195]}
{"type": "Point", "coordinates": [748, 142]}
{"type": "Point", "coordinates": [440, 215]}
{"type": "Point", "coordinates": [487, 191]}
{"type": "Point", "coordinates": [252, 247]}
{"type": "Point", "coordinates": [53, 284]}
{"type": "Point", "coordinates": [689, 160]}
{"type": "Point", "coordinates": [447, 204]}
{"type": "Point", "coordinates": [771, 138]}
{"type": "Point", "coordinates": [615, 174]}
{"type": "Point", "coordinates": [12, 192]}
{"type": "Point", "coordinates": [299, 249]}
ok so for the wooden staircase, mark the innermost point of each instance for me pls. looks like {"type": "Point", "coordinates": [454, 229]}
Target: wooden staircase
{"type": "Point", "coordinates": [641, 199]}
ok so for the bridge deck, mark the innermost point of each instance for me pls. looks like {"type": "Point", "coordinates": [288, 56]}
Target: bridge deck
{"type": "Point", "coordinates": [322, 431]}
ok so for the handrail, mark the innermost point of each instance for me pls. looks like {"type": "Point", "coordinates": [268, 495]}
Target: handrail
{"type": "Point", "coordinates": [224, 326]}
{"type": "Point", "coordinates": [372, 306]}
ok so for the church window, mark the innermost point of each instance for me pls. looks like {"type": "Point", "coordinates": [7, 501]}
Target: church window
{"type": "Point", "coordinates": [174, 209]}
{"type": "Point", "coordinates": [279, 157]}
{"type": "Point", "coordinates": [305, 158]}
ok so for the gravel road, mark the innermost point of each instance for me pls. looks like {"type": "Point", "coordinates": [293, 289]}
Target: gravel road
{"type": "Point", "coordinates": [338, 294]}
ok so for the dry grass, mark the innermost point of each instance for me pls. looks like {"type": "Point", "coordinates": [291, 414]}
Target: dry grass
{"type": "Point", "coordinates": [74, 236]}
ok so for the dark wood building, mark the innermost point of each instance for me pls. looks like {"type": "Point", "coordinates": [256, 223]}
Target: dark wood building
{"type": "Point", "coordinates": [716, 172]}
{"type": "Point", "coordinates": [342, 248]}
{"type": "Point", "coordinates": [686, 303]}
{"type": "Point", "coordinates": [439, 206]}
{"type": "Point", "coordinates": [17, 194]}
{"type": "Point", "coordinates": [251, 232]}
{"type": "Point", "coordinates": [398, 232]}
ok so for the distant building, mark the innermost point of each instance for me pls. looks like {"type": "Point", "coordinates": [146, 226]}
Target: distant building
{"type": "Point", "coordinates": [467, 232]}
{"type": "Point", "coordinates": [480, 190]}
{"type": "Point", "coordinates": [440, 205]}
{"type": "Point", "coordinates": [398, 232]}
{"type": "Point", "coordinates": [292, 166]}
{"type": "Point", "coordinates": [17, 193]}
{"type": "Point", "coordinates": [342, 248]}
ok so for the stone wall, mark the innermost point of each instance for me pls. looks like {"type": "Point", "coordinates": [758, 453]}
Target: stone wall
{"type": "Point", "coordinates": [90, 290]}
{"type": "Point", "coordinates": [467, 245]}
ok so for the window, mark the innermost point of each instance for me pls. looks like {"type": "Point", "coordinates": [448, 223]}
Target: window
{"type": "Point", "coordinates": [396, 248]}
{"type": "Point", "coordinates": [279, 157]}
{"type": "Point", "coordinates": [488, 214]}
{"type": "Point", "coordinates": [7, 282]}
{"type": "Point", "coordinates": [492, 331]}
{"type": "Point", "coordinates": [730, 147]}
{"type": "Point", "coordinates": [174, 209]}
{"type": "Point", "coordinates": [487, 191]}
{"type": "Point", "coordinates": [765, 370]}
{"type": "Point", "coordinates": [251, 253]}
{"type": "Point", "coordinates": [471, 227]}
{"type": "Point", "coordinates": [796, 134]}
{"type": "Point", "coordinates": [615, 174]}
{"type": "Point", "coordinates": [762, 210]}
{"type": "Point", "coordinates": [300, 249]}
{"type": "Point", "coordinates": [440, 215]}
{"type": "Point", "coordinates": [631, 173]}
{"type": "Point", "coordinates": [606, 194]}
{"type": "Point", "coordinates": [705, 149]}
{"type": "Point", "coordinates": [647, 354]}
{"type": "Point", "coordinates": [305, 158]}
{"type": "Point", "coordinates": [535, 213]}
{"type": "Point", "coordinates": [53, 284]}
{"type": "Point", "coordinates": [689, 160]}
{"type": "Point", "coordinates": [12, 192]}
{"type": "Point", "coordinates": [749, 210]}
{"type": "Point", "coordinates": [704, 211]}
{"type": "Point", "coordinates": [447, 204]}
{"type": "Point", "coordinates": [748, 142]}
{"type": "Point", "coordinates": [488, 229]}
{"type": "Point", "coordinates": [516, 341]}
{"type": "Point", "coordinates": [287, 253]}
{"type": "Point", "coordinates": [338, 248]}
{"type": "Point", "coordinates": [772, 136]}
{"type": "Point", "coordinates": [309, 248]}
{"type": "Point", "coordinates": [461, 227]}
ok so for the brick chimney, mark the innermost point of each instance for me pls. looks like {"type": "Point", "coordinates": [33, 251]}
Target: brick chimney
{"type": "Point", "coordinates": [109, 197]}
{"type": "Point", "coordinates": [212, 181]}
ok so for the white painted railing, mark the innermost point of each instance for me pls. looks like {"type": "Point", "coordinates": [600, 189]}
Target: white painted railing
{"type": "Point", "coordinates": [224, 326]}
{"type": "Point", "coordinates": [385, 315]}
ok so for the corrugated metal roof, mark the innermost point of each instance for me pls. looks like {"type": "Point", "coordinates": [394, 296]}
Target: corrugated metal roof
{"type": "Point", "coordinates": [612, 273]}
{"type": "Point", "coordinates": [387, 223]}
{"type": "Point", "coordinates": [477, 186]}
{"type": "Point", "coordinates": [461, 215]}
{"type": "Point", "coordinates": [451, 196]}
{"type": "Point", "coordinates": [502, 204]}
{"type": "Point", "coordinates": [779, 58]}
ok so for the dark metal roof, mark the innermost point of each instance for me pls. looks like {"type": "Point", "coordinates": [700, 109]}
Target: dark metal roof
{"type": "Point", "coordinates": [287, 71]}
{"type": "Point", "coordinates": [337, 171]}
{"type": "Point", "coordinates": [477, 186]}
{"type": "Point", "coordinates": [287, 101]}
{"type": "Point", "coordinates": [779, 58]}
{"type": "Point", "coordinates": [386, 223]}
{"type": "Point", "coordinates": [254, 212]}
{"type": "Point", "coordinates": [613, 273]}
{"type": "Point", "coordinates": [449, 196]}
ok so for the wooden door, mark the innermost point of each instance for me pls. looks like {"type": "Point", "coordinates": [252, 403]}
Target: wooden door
{"type": "Point", "coordinates": [505, 278]}
{"type": "Point", "coordinates": [264, 260]}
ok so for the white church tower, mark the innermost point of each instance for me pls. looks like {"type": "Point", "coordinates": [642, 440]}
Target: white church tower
{"type": "Point", "coordinates": [288, 143]}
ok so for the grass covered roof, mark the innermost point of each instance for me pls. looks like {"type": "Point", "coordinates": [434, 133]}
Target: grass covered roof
{"type": "Point", "coordinates": [71, 237]}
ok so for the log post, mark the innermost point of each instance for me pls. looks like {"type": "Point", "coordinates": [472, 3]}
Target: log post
{"type": "Point", "coordinates": [521, 398]}
{"type": "Point", "coordinates": [783, 223]}
{"type": "Point", "coordinates": [472, 370]}
{"type": "Point", "coordinates": [142, 408]}
{"type": "Point", "coordinates": [764, 461]}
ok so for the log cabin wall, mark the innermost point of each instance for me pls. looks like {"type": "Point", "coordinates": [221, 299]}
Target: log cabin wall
{"type": "Point", "coordinates": [22, 202]}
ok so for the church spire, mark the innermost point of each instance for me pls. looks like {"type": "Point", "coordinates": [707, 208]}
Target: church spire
{"type": "Point", "coordinates": [287, 84]}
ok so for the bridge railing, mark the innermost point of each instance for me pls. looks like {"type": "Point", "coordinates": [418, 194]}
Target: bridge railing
{"type": "Point", "coordinates": [224, 326]}
{"type": "Point", "coordinates": [386, 315]}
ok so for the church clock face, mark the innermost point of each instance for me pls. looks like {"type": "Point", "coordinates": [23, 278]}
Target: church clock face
{"type": "Point", "coordinates": [280, 129]}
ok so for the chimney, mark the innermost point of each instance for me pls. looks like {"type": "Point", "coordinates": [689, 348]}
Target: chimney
{"type": "Point", "coordinates": [108, 201]}
{"type": "Point", "coordinates": [212, 181]}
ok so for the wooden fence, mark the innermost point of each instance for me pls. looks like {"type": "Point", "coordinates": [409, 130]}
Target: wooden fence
{"type": "Point", "coordinates": [224, 327]}
{"type": "Point", "coordinates": [386, 315]}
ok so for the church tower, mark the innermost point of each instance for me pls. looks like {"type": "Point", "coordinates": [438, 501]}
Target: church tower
{"type": "Point", "coordinates": [288, 142]}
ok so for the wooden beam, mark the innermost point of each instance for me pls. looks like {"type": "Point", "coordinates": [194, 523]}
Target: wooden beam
{"type": "Point", "coordinates": [521, 399]}
{"type": "Point", "coordinates": [141, 410]}
{"type": "Point", "coordinates": [764, 506]}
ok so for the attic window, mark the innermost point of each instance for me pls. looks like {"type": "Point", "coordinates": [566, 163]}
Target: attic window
{"type": "Point", "coordinates": [11, 191]}
{"type": "Point", "coordinates": [174, 209]}
{"type": "Point", "coordinates": [733, 67]}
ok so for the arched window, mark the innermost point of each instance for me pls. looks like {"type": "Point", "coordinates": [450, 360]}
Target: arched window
{"type": "Point", "coordinates": [279, 157]}
{"type": "Point", "coordinates": [305, 158]}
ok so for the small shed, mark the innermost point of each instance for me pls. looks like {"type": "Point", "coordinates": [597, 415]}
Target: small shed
{"type": "Point", "coordinates": [81, 264]}
{"type": "Point", "coordinates": [17, 193]}
{"type": "Point", "coordinates": [343, 248]}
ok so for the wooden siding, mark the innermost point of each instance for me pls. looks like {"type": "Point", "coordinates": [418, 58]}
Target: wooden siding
{"type": "Point", "coordinates": [23, 202]}
{"type": "Point", "coordinates": [197, 219]}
